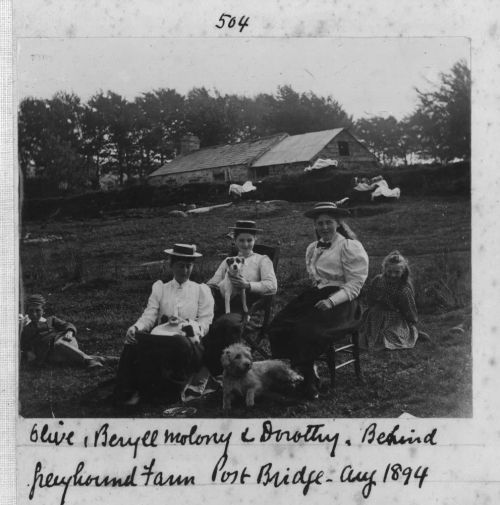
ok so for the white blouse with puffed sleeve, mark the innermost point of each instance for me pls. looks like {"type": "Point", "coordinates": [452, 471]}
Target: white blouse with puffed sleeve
{"type": "Point", "coordinates": [343, 264]}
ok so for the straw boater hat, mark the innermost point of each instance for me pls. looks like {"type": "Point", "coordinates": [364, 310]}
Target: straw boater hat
{"type": "Point", "coordinates": [35, 301]}
{"type": "Point", "coordinates": [245, 226]}
{"type": "Point", "coordinates": [326, 208]}
{"type": "Point", "coordinates": [183, 251]}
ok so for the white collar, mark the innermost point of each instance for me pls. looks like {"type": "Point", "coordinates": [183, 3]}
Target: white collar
{"type": "Point", "coordinates": [336, 238]}
{"type": "Point", "coordinates": [178, 285]}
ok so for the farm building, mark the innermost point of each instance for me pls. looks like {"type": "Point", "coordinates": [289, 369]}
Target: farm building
{"type": "Point", "coordinates": [269, 156]}
{"type": "Point", "coordinates": [296, 152]}
{"type": "Point", "coordinates": [226, 163]}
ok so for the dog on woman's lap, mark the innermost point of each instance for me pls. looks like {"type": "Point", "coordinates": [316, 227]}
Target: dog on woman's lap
{"type": "Point", "coordinates": [250, 379]}
{"type": "Point", "coordinates": [234, 268]}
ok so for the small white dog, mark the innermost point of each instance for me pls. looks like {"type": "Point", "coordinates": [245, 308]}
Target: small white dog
{"type": "Point", "coordinates": [234, 266]}
{"type": "Point", "coordinates": [249, 379]}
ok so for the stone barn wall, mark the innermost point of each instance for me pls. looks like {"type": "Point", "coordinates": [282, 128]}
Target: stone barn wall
{"type": "Point", "coordinates": [358, 155]}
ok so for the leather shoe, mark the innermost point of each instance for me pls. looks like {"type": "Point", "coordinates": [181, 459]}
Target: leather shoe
{"type": "Point", "coordinates": [311, 392]}
{"type": "Point", "coordinates": [308, 390]}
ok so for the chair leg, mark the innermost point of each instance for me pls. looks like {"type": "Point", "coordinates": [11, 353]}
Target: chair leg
{"type": "Point", "coordinates": [265, 323]}
{"type": "Point", "coordinates": [330, 353]}
{"type": "Point", "coordinates": [357, 362]}
{"type": "Point", "coordinates": [254, 346]}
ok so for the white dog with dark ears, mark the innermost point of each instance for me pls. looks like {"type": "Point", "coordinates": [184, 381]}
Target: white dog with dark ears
{"type": "Point", "coordinates": [234, 267]}
{"type": "Point", "coordinates": [249, 379]}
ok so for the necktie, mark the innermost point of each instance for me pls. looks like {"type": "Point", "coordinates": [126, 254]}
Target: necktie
{"type": "Point", "coordinates": [323, 245]}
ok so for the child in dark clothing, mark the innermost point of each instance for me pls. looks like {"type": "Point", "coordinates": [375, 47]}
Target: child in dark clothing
{"type": "Point", "coordinates": [50, 340]}
{"type": "Point", "coordinates": [391, 318]}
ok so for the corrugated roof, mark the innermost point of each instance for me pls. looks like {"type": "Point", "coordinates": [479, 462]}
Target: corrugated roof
{"type": "Point", "coordinates": [297, 148]}
{"type": "Point", "coordinates": [219, 156]}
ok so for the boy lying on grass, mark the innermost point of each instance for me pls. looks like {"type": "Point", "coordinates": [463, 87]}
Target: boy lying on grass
{"type": "Point", "coordinates": [50, 340]}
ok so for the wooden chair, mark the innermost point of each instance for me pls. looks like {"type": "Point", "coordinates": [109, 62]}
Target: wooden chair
{"type": "Point", "coordinates": [348, 349]}
{"type": "Point", "coordinates": [263, 305]}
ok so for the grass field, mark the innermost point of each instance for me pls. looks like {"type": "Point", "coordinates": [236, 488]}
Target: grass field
{"type": "Point", "coordinates": [95, 277]}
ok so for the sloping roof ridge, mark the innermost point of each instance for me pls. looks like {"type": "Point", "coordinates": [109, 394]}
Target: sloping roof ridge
{"type": "Point", "coordinates": [164, 169]}
{"type": "Point", "coordinates": [247, 141]}
{"type": "Point", "coordinates": [360, 142]}
{"type": "Point", "coordinates": [279, 138]}
{"type": "Point", "coordinates": [337, 131]}
{"type": "Point", "coordinates": [321, 131]}
{"type": "Point", "coordinates": [270, 136]}
{"type": "Point", "coordinates": [301, 141]}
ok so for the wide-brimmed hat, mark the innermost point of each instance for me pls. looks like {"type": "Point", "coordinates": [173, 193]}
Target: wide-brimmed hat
{"type": "Point", "coordinates": [35, 301]}
{"type": "Point", "coordinates": [183, 251]}
{"type": "Point", "coordinates": [245, 226]}
{"type": "Point", "coordinates": [326, 208]}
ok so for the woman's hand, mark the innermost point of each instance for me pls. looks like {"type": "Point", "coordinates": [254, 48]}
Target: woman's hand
{"type": "Point", "coordinates": [130, 336]}
{"type": "Point", "coordinates": [325, 304]}
{"type": "Point", "coordinates": [30, 356]}
{"type": "Point", "coordinates": [23, 321]}
{"type": "Point", "coordinates": [239, 282]}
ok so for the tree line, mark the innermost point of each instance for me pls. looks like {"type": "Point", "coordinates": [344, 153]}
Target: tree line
{"type": "Point", "coordinates": [71, 144]}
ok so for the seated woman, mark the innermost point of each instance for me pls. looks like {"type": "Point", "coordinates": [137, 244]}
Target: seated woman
{"type": "Point", "coordinates": [163, 363]}
{"type": "Point", "coordinates": [337, 265]}
{"type": "Point", "coordinates": [257, 277]}
{"type": "Point", "coordinates": [391, 317]}
{"type": "Point", "coordinates": [51, 340]}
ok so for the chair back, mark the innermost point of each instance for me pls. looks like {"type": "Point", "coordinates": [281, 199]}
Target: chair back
{"type": "Point", "coordinates": [273, 252]}
{"type": "Point", "coordinates": [265, 303]}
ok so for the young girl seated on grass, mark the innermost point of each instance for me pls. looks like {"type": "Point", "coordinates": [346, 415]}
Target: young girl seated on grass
{"type": "Point", "coordinates": [391, 318]}
{"type": "Point", "coordinates": [50, 340]}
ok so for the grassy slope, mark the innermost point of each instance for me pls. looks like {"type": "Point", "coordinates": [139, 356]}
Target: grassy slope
{"type": "Point", "coordinates": [432, 380]}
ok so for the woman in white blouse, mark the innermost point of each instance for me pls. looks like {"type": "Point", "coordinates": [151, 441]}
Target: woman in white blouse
{"type": "Point", "coordinates": [257, 277]}
{"type": "Point", "coordinates": [179, 312]}
{"type": "Point", "coordinates": [337, 265]}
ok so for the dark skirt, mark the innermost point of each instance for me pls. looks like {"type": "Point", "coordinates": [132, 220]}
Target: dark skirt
{"type": "Point", "coordinates": [302, 333]}
{"type": "Point", "coordinates": [225, 330]}
{"type": "Point", "coordinates": [158, 365]}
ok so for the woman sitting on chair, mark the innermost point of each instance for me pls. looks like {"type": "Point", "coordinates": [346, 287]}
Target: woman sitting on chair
{"type": "Point", "coordinates": [256, 277]}
{"type": "Point", "coordinates": [337, 265]}
{"type": "Point", "coordinates": [180, 311]}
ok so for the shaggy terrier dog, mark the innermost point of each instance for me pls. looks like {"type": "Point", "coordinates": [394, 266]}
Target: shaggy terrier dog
{"type": "Point", "coordinates": [241, 375]}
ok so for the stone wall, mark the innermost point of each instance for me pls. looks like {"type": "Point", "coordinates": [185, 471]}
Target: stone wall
{"type": "Point", "coordinates": [359, 156]}
{"type": "Point", "coordinates": [236, 173]}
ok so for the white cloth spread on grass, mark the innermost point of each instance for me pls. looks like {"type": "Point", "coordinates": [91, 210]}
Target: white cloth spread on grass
{"type": "Point", "coordinates": [382, 189]}
{"type": "Point", "coordinates": [322, 163]}
{"type": "Point", "coordinates": [238, 190]}
{"type": "Point", "coordinates": [202, 210]}
{"type": "Point", "coordinates": [363, 186]}
{"type": "Point", "coordinates": [189, 301]}
{"type": "Point", "coordinates": [379, 187]}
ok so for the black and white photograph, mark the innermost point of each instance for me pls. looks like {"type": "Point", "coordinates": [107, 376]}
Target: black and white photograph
{"type": "Point", "coordinates": [271, 228]}
{"type": "Point", "coordinates": [249, 252]}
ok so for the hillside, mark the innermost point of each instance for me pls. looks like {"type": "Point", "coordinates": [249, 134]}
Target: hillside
{"type": "Point", "coordinates": [92, 275]}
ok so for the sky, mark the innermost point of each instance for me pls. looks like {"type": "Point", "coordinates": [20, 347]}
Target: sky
{"type": "Point", "coordinates": [367, 76]}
